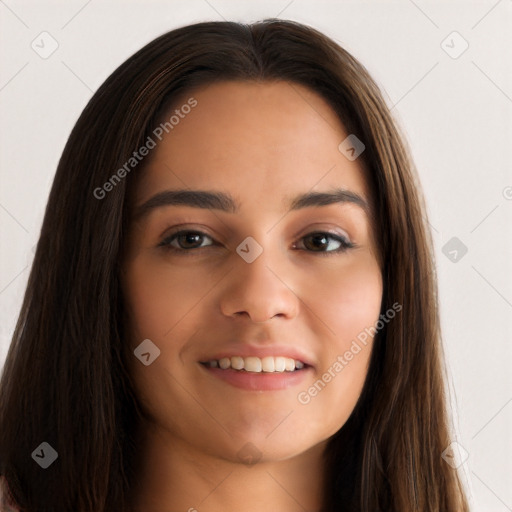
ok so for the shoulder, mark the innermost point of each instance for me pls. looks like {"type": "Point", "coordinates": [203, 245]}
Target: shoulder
{"type": "Point", "coordinates": [6, 502]}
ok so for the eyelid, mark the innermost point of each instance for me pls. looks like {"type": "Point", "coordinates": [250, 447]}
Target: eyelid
{"type": "Point", "coordinates": [341, 238]}
{"type": "Point", "coordinates": [177, 229]}
{"type": "Point", "coordinates": [320, 228]}
{"type": "Point", "coordinates": [311, 229]}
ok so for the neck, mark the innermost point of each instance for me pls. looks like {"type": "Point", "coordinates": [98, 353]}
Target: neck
{"type": "Point", "coordinates": [174, 476]}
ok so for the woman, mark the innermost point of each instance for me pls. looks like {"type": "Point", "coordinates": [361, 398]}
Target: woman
{"type": "Point", "coordinates": [232, 303]}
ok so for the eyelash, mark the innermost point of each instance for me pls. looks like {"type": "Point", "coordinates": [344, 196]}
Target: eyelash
{"type": "Point", "coordinates": [165, 243]}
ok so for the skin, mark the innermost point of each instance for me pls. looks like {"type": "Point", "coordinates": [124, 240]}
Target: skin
{"type": "Point", "coordinates": [262, 143]}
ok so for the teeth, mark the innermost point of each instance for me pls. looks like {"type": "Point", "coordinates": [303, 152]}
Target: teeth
{"type": "Point", "coordinates": [289, 364]}
{"type": "Point", "coordinates": [224, 363]}
{"type": "Point", "coordinates": [280, 364]}
{"type": "Point", "coordinates": [237, 363]}
{"type": "Point", "coordinates": [252, 364]}
{"type": "Point", "coordinates": [267, 364]}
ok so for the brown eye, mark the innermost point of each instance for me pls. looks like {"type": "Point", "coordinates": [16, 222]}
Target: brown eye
{"type": "Point", "coordinates": [185, 240]}
{"type": "Point", "coordinates": [321, 241]}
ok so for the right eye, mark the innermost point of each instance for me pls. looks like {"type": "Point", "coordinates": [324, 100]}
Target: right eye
{"type": "Point", "coordinates": [183, 239]}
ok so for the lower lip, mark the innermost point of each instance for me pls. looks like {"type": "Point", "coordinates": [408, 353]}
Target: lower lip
{"type": "Point", "coordinates": [262, 381]}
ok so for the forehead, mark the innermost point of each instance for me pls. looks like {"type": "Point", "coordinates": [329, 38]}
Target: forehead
{"type": "Point", "coordinates": [262, 141]}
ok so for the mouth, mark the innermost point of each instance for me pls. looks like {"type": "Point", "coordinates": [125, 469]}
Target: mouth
{"type": "Point", "coordinates": [258, 374]}
{"type": "Point", "coordinates": [269, 364]}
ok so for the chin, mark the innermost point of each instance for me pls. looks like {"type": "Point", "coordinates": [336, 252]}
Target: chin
{"type": "Point", "coordinates": [267, 446]}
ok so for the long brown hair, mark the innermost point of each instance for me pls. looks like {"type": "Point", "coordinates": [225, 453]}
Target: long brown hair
{"type": "Point", "coordinates": [65, 381]}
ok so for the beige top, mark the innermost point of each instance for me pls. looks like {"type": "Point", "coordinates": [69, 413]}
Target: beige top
{"type": "Point", "coordinates": [6, 503]}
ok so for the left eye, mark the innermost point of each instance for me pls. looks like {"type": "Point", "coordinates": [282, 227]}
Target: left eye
{"type": "Point", "coordinates": [322, 240]}
{"type": "Point", "coordinates": [189, 240]}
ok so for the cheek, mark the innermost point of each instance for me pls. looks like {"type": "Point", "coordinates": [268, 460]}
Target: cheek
{"type": "Point", "coordinates": [348, 300]}
{"type": "Point", "coordinates": [348, 305]}
{"type": "Point", "coordinates": [160, 305]}
{"type": "Point", "coordinates": [158, 297]}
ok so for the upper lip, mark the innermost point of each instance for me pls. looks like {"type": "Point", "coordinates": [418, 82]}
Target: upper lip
{"type": "Point", "coordinates": [251, 351]}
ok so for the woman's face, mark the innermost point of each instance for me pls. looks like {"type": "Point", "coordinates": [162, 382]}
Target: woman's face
{"type": "Point", "coordinates": [257, 283]}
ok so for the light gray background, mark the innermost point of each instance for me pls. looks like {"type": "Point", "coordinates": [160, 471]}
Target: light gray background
{"type": "Point", "coordinates": [456, 113]}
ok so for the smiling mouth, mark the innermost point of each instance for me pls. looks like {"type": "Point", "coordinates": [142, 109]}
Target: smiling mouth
{"type": "Point", "coordinates": [253, 364]}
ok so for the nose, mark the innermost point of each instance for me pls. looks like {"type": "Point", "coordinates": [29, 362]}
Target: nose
{"type": "Point", "coordinates": [259, 291]}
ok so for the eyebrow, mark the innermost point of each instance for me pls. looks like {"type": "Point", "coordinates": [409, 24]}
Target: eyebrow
{"type": "Point", "coordinates": [214, 200]}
